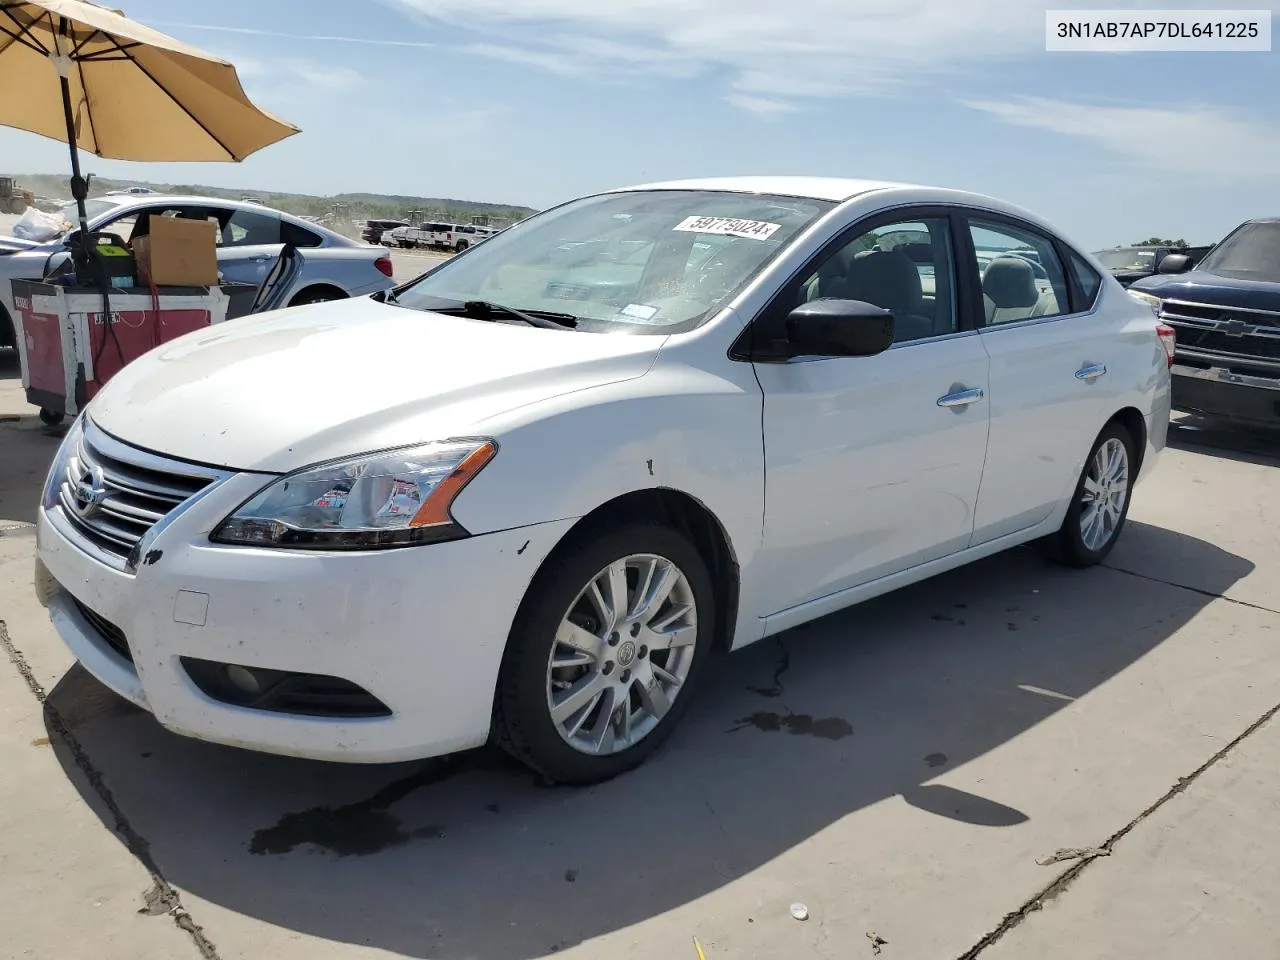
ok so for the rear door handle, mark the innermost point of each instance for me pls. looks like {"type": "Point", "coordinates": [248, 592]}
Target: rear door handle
{"type": "Point", "coordinates": [961, 398]}
{"type": "Point", "coordinates": [1091, 371]}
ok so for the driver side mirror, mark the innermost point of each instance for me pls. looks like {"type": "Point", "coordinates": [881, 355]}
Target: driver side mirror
{"type": "Point", "coordinates": [839, 328]}
{"type": "Point", "coordinates": [1174, 263]}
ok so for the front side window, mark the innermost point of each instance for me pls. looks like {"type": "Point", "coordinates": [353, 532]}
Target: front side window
{"type": "Point", "coordinates": [906, 268]}
{"type": "Point", "coordinates": [1127, 258]}
{"type": "Point", "coordinates": [1017, 284]}
{"type": "Point", "coordinates": [653, 261]}
{"type": "Point", "coordinates": [1251, 252]}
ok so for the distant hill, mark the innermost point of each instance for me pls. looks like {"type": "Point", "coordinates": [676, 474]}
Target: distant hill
{"type": "Point", "coordinates": [358, 206]}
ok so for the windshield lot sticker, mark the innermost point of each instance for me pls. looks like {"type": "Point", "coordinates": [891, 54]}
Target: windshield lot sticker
{"type": "Point", "coordinates": [639, 311]}
{"type": "Point", "coordinates": [728, 226]}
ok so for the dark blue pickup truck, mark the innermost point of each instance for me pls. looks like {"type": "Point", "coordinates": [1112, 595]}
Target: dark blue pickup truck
{"type": "Point", "coordinates": [1226, 312]}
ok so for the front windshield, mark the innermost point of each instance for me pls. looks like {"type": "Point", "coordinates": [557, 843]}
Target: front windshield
{"type": "Point", "coordinates": [1127, 258]}
{"type": "Point", "coordinates": [656, 261]}
{"type": "Point", "coordinates": [1252, 252]}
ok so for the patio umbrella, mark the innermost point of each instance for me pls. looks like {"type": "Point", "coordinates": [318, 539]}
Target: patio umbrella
{"type": "Point", "coordinates": [91, 77]}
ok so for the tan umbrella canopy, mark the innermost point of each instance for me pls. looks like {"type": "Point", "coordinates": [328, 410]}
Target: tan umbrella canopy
{"type": "Point", "coordinates": [91, 77]}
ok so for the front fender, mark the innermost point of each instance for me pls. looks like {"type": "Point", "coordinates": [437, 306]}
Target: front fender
{"type": "Point", "coordinates": [675, 428]}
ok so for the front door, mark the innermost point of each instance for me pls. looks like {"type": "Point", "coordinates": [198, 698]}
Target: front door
{"type": "Point", "coordinates": [873, 464]}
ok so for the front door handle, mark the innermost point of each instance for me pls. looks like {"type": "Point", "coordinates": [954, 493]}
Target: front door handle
{"type": "Point", "coordinates": [1091, 371]}
{"type": "Point", "coordinates": [961, 398]}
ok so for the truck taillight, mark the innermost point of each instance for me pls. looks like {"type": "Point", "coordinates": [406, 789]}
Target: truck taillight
{"type": "Point", "coordinates": [384, 264]}
{"type": "Point", "coordinates": [1168, 338]}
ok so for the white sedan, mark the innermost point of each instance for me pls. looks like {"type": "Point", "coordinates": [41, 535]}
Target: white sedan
{"type": "Point", "coordinates": [523, 497]}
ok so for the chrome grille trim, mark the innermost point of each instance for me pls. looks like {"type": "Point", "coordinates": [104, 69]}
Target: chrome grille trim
{"type": "Point", "coordinates": [112, 494]}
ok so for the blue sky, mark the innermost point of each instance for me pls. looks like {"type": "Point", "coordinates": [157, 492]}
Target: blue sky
{"type": "Point", "coordinates": [537, 101]}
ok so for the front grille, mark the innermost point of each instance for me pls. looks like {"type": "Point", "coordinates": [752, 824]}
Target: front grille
{"type": "Point", "coordinates": [1226, 331]}
{"type": "Point", "coordinates": [112, 494]}
{"type": "Point", "coordinates": [111, 635]}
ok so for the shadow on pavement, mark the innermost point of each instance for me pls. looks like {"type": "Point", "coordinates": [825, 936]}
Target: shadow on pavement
{"type": "Point", "coordinates": [1229, 441]}
{"type": "Point", "coordinates": [471, 857]}
{"type": "Point", "coordinates": [26, 447]}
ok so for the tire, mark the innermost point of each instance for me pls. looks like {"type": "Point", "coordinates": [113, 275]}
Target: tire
{"type": "Point", "coordinates": [523, 721]}
{"type": "Point", "coordinates": [51, 418]}
{"type": "Point", "coordinates": [1070, 545]}
{"type": "Point", "coordinates": [460, 246]}
{"type": "Point", "coordinates": [308, 297]}
{"type": "Point", "coordinates": [8, 332]}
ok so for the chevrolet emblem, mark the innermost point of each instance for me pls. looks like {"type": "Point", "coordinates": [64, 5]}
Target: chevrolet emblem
{"type": "Point", "coordinates": [1235, 328]}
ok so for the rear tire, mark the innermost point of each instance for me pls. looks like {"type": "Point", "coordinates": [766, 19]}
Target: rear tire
{"type": "Point", "coordinates": [635, 654]}
{"type": "Point", "coordinates": [307, 297]}
{"type": "Point", "coordinates": [1099, 503]}
{"type": "Point", "coordinates": [460, 246]}
{"type": "Point", "coordinates": [51, 418]}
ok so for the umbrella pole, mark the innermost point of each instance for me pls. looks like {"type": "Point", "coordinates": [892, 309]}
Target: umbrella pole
{"type": "Point", "coordinates": [79, 189]}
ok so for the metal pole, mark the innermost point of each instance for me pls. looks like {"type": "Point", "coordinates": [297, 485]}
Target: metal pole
{"type": "Point", "coordinates": [79, 189]}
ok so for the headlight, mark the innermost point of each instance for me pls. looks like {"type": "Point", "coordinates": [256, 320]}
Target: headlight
{"type": "Point", "coordinates": [1148, 299]}
{"type": "Point", "coordinates": [391, 499]}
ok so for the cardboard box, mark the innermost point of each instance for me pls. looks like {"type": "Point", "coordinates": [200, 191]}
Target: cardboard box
{"type": "Point", "coordinates": [178, 252]}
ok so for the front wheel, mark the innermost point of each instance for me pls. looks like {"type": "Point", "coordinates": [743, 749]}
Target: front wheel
{"type": "Point", "coordinates": [1100, 504]}
{"type": "Point", "coordinates": [604, 654]}
{"type": "Point", "coordinates": [51, 418]}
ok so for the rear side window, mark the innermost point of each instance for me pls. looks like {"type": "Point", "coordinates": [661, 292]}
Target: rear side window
{"type": "Point", "coordinates": [1087, 278]}
{"type": "Point", "coordinates": [298, 236]}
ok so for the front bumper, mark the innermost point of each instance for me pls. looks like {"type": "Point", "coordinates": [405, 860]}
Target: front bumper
{"type": "Point", "coordinates": [421, 628]}
{"type": "Point", "coordinates": [1215, 392]}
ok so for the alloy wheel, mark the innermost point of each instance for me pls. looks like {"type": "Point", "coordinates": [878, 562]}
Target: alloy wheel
{"type": "Point", "coordinates": [622, 654]}
{"type": "Point", "coordinates": [1103, 496]}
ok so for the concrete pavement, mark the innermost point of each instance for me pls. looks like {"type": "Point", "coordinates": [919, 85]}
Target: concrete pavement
{"type": "Point", "coordinates": [900, 768]}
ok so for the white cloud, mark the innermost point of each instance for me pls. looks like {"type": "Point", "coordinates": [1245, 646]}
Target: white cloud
{"type": "Point", "coordinates": [761, 106]}
{"type": "Point", "coordinates": [768, 49]}
{"type": "Point", "coordinates": [1199, 140]}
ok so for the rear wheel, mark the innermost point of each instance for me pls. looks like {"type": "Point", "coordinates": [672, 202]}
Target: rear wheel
{"type": "Point", "coordinates": [51, 417]}
{"type": "Point", "coordinates": [1100, 504]}
{"type": "Point", "coordinates": [605, 653]}
{"type": "Point", "coordinates": [460, 246]}
{"type": "Point", "coordinates": [321, 295]}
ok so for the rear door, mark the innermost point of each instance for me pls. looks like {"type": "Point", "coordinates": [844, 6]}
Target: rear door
{"type": "Point", "coordinates": [251, 241]}
{"type": "Point", "coordinates": [1051, 356]}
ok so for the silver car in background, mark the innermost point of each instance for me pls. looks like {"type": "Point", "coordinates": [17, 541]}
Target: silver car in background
{"type": "Point", "coordinates": [250, 238]}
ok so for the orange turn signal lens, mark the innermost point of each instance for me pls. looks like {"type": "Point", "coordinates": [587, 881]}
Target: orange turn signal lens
{"type": "Point", "coordinates": [435, 509]}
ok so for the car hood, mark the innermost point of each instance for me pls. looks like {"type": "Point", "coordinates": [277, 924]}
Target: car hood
{"type": "Point", "coordinates": [13, 245]}
{"type": "Point", "coordinates": [277, 391]}
{"type": "Point", "coordinates": [1199, 286]}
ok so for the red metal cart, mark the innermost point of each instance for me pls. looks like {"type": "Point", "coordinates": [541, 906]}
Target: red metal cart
{"type": "Point", "coordinates": [68, 349]}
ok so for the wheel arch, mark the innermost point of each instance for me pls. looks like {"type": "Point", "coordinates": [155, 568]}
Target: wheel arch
{"type": "Point", "coordinates": [692, 518]}
{"type": "Point", "coordinates": [314, 288]}
{"type": "Point", "coordinates": [1136, 425]}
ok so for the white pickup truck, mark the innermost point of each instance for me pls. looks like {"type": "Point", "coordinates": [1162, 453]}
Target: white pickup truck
{"type": "Point", "coordinates": [438, 236]}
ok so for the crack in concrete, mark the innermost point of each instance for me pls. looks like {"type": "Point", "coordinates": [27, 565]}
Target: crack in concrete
{"type": "Point", "coordinates": [1183, 586]}
{"type": "Point", "coordinates": [161, 898]}
{"type": "Point", "coordinates": [1063, 881]}
{"type": "Point", "coordinates": [782, 666]}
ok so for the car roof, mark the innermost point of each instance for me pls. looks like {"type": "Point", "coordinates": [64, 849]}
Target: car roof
{"type": "Point", "coordinates": [152, 199]}
{"type": "Point", "coordinates": [818, 188]}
